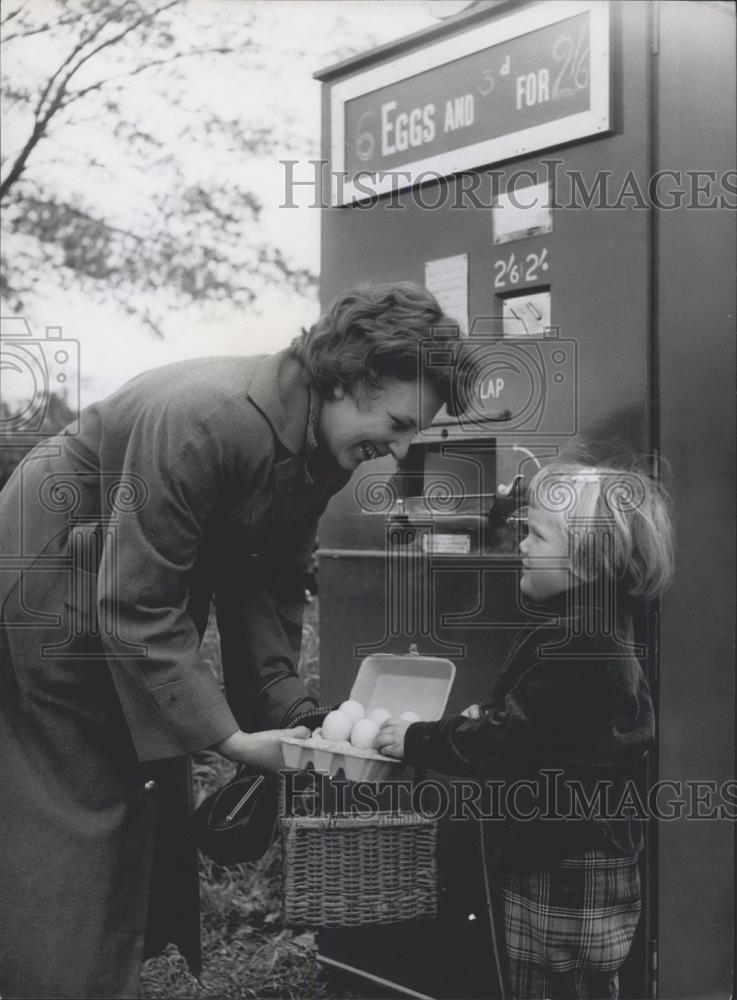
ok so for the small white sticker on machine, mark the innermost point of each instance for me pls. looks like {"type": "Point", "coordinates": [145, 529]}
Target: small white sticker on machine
{"type": "Point", "coordinates": [446, 544]}
{"type": "Point", "coordinates": [447, 279]}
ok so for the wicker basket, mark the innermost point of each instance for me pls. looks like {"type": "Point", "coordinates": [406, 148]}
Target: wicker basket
{"type": "Point", "coordinates": [344, 871]}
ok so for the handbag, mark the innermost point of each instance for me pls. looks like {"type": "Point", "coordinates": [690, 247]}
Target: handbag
{"type": "Point", "coordinates": [237, 823]}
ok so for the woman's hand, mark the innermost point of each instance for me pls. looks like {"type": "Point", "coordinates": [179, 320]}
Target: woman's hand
{"type": "Point", "coordinates": [390, 740]}
{"type": "Point", "coordinates": [259, 749]}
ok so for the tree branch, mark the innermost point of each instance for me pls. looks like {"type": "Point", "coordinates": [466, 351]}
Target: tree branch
{"type": "Point", "coordinates": [176, 236]}
{"type": "Point", "coordinates": [13, 14]}
{"type": "Point", "coordinates": [52, 79]}
{"type": "Point", "coordinates": [214, 50]}
{"type": "Point", "coordinates": [149, 16]}
{"type": "Point", "coordinates": [42, 118]}
{"type": "Point", "coordinates": [64, 21]}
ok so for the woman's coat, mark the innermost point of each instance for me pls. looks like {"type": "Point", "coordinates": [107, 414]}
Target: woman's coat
{"type": "Point", "coordinates": [193, 480]}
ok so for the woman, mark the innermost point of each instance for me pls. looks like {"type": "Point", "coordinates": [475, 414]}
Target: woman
{"type": "Point", "coordinates": [203, 478]}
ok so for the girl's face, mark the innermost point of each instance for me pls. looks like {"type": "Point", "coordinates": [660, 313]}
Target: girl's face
{"type": "Point", "coordinates": [545, 557]}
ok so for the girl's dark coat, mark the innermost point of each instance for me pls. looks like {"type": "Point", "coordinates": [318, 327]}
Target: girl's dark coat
{"type": "Point", "coordinates": [571, 708]}
{"type": "Point", "coordinates": [189, 482]}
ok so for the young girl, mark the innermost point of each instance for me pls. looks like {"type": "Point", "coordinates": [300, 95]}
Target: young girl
{"type": "Point", "coordinates": [571, 705]}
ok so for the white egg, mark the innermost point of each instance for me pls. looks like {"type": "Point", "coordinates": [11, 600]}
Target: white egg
{"type": "Point", "coordinates": [410, 716]}
{"type": "Point", "coordinates": [336, 726]}
{"type": "Point", "coordinates": [379, 715]}
{"type": "Point", "coordinates": [363, 734]}
{"type": "Point", "coordinates": [353, 709]}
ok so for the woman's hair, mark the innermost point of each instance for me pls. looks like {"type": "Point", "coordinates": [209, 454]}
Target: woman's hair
{"type": "Point", "coordinates": [617, 520]}
{"type": "Point", "coordinates": [378, 332]}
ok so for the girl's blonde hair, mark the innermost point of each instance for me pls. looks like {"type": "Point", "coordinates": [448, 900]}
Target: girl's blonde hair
{"type": "Point", "coordinates": [617, 520]}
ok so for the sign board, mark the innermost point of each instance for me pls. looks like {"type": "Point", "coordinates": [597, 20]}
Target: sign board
{"type": "Point", "coordinates": [534, 79]}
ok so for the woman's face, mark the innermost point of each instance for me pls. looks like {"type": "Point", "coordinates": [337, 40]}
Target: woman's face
{"type": "Point", "coordinates": [545, 556]}
{"type": "Point", "coordinates": [365, 423]}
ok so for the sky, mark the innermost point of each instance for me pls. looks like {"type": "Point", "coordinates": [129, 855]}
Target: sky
{"type": "Point", "coordinates": [299, 38]}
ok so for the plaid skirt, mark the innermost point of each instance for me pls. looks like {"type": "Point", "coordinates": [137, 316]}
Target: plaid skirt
{"type": "Point", "coordinates": [569, 926]}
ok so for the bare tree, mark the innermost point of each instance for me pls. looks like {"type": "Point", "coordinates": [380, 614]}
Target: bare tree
{"type": "Point", "coordinates": [124, 216]}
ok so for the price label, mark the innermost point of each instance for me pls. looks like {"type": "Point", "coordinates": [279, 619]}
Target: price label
{"type": "Point", "coordinates": [515, 270]}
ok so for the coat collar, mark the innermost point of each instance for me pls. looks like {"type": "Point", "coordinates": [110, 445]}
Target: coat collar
{"type": "Point", "coordinates": [281, 392]}
{"type": "Point", "coordinates": [597, 601]}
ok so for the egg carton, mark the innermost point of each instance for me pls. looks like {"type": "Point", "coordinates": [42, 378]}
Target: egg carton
{"type": "Point", "coordinates": [397, 683]}
{"type": "Point", "coordinates": [330, 757]}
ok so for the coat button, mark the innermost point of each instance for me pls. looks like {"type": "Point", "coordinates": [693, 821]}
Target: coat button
{"type": "Point", "coordinates": [150, 787]}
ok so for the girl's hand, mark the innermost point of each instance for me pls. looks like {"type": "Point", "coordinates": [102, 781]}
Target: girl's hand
{"type": "Point", "coordinates": [259, 749]}
{"type": "Point", "coordinates": [472, 712]}
{"type": "Point", "coordinates": [390, 740]}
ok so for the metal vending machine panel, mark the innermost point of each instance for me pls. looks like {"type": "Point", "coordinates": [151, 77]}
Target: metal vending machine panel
{"type": "Point", "coordinates": [505, 159]}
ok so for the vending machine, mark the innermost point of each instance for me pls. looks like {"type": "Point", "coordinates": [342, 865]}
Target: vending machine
{"type": "Point", "coordinates": [561, 176]}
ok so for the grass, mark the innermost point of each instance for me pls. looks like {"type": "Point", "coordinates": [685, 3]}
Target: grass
{"type": "Point", "coordinates": [247, 952]}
